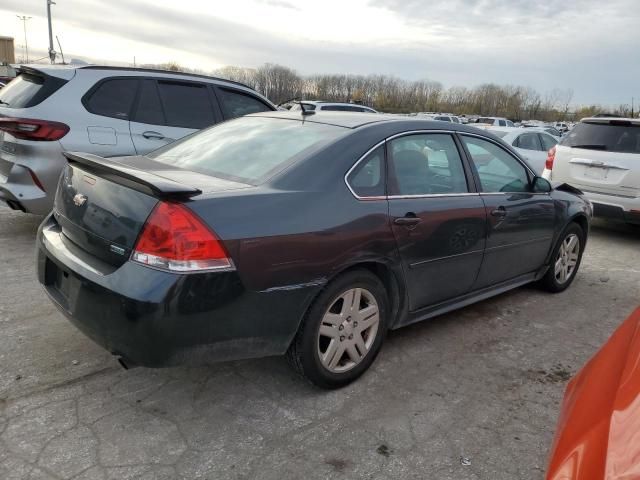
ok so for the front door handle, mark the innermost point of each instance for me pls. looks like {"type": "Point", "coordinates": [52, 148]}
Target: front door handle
{"type": "Point", "coordinates": [409, 220]}
{"type": "Point", "coordinates": [155, 135]}
{"type": "Point", "coordinates": [499, 212]}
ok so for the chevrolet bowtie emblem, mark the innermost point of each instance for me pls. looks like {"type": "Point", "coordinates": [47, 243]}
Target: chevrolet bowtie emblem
{"type": "Point", "coordinates": [79, 199]}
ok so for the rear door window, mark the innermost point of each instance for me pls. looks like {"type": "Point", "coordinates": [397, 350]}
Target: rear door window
{"type": "Point", "coordinates": [528, 141]}
{"type": "Point", "coordinates": [619, 136]}
{"type": "Point", "coordinates": [548, 141]}
{"type": "Point", "coordinates": [235, 104]}
{"type": "Point", "coordinates": [186, 105]}
{"type": "Point", "coordinates": [112, 98]}
{"type": "Point", "coordinates": [149, 109]}
{"type": "Point", "coordinates": [425, 164]}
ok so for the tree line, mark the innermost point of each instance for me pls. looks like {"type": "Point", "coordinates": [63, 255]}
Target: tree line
{"type": "Point", "coordinates": [394, 95]}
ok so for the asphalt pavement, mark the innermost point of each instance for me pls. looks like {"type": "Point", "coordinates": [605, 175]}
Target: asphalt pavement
{"type": "Point", "coordinates": [473, 394]}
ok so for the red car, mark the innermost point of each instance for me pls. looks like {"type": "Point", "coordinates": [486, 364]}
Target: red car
{"type": "Point", "coordinates": [598, 433]}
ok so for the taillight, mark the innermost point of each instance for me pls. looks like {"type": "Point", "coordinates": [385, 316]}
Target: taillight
{"type": "Point", "coordinates": [31, 129]}
{"type": "Point", "coordinates": [551, 156]}
{"type": "Point", "coordinates": [175, 239]}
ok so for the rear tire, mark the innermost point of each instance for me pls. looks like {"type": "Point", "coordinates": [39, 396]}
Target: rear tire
{"type": "Point", "coordinates": [565, 260]}
{"type": "Point", "coordinates": [342, 332]}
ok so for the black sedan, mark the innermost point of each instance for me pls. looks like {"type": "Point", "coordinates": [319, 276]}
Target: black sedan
{"type": "Point", "coordinates": [302, 233]}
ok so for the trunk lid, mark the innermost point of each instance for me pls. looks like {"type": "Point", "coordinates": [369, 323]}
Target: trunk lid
{"type": "Point", "coordinates": [102, 204]}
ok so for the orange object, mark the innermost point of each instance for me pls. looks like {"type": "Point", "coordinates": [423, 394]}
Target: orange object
{"type": "Point", "coordinates": [598, 435]}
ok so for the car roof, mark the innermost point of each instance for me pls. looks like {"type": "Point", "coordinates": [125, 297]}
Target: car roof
{"type": "Point", "coordinates": [608, 120]}
{"type": "Point", "coordinates": [64, 71]}
{"type": "Point", "coordinates": [354, 120]}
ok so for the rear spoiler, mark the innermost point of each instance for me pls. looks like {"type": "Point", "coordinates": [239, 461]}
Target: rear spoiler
{"type": "Point", "coordinates": [129, 176]}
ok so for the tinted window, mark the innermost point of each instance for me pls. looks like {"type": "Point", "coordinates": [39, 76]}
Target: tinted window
{"type": "Point", "coordinates": [498, 170]}
{"type": "Point", "coordinates": [149, 109]}
{"type": "Point", "coordinates": [342, 108]}
{"type": "Point", "coordinates": [186, 105]}
{"type": "Point", "coordinates": [488, 120]}
{"type": "Point", "coordinates": [621, 137]}
{"type": "Point", "coordinates": [443, 119]}
{"type": "Point", "coordinates": [235, 104]}
{"type": "Point", "coordinates": [425, 164]}
{"type": "Point", "coordinates": [367, 179]}
{"type": "Point", "coordinates": [455, 119]}
{"type": "Point", "coordinates": [510, 123]}
{"type": "Point", "coordinates": [20, 91]}
{"type": "Point", "coordinates": [528, 141]}
{"type": "Point", "coordinates": [502, 123]}
{"type": "Point", "coordinates": [548, 141]}
{"type": "Point", "coordinates": [113, 98]}
{"type": "Point", "coordinates": [248, 149]}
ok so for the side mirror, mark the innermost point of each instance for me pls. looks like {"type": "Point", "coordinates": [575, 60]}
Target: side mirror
{"type": "Point", "coordinates": [541, 185]}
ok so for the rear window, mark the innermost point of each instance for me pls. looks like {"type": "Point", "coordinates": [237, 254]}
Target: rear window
{"type": "Point", "coordinates": [248, 149]}
{"type": "Point", "coordinates": [620, 137]}
{"type": "Point", "coordinates": [485, 120]}
{"type": "Point", "coordinates": [28, 90]}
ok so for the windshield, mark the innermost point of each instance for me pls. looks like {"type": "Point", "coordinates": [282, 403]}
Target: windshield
{"type": "Point", "coordinates": [620, 137]}
{"type": "Point", "coordinates": [248, 149]}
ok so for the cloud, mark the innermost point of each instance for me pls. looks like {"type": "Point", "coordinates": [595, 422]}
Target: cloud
{"type": "Point", "coordinates": [587, 45]}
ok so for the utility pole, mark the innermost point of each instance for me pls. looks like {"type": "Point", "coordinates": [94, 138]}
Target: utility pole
{"type": "Point", "coordinates": [24, 19]}
{"type": "Point", "coordinates": [52, 52]}
{"type": "Point", "coordinates": [632, 114]}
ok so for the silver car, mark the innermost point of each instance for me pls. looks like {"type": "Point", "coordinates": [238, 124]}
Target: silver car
{"type": "Point", "coordinates": [107, 111]}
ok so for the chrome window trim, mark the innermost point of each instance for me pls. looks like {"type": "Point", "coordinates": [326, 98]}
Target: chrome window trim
{"type": "Point", "coordinates": [354, 166]}
{"type": "Point", "coordinates": [430, 195]}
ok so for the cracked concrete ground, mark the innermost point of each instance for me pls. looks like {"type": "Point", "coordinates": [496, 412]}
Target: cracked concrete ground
{"type": "Point", "coordinates": [483, 383]}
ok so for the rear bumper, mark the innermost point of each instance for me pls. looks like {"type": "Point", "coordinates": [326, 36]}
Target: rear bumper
{"type": "Point", "coordinates": [20, 162]}
{"type": "Point", "coordinates": [615, 207]}
{"type": "Point", "coordinates": [155, 319]}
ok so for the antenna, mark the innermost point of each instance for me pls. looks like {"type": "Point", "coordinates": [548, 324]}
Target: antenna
{"type": "Point", "coordinates": [52, 52]}
{"type": "Point", "coordinates": [60, 47]}
{"type": "Point", "coordinates": [305, 112]}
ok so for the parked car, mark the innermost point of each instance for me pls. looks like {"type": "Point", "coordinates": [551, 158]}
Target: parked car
{"type": "Point", "coordinates": [495, 121]}
{"type": "Point", "coordinates": [601, 157]}
{"type": "Point", "coordinates": [600, 419]}
{"type": "Point", "coordinates": [532, 143]}
{"type": "Point", "coordinates": [549, 129]}
{"type": "Point", "coordinates": [562, 127]}
{"type": "Point", "coordinates": [317, 105]}
{"type": "Point", "coordinates": [441, 117]}
{"type": "Point", "coordinates": [283, 233]}
{"type": "Point", "coordinates": [107, 111]}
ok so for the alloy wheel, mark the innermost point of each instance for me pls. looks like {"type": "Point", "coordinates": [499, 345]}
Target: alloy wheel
{"type": "Point", "coordinates": [348, 330]}
{"type": "Point", "coordinates": [567, 258]}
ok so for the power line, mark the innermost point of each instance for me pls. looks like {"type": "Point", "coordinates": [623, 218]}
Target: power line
{"type": "Point", "coordinates": [24, 19]}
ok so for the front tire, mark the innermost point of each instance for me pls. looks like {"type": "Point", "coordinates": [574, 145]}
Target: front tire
{"type": "Point", "coordinates": [565, 260]}
{"type": "Point", "coordinates": [342, 332]}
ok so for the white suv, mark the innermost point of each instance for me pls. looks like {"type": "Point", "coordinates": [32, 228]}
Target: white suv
{"type": "Point", "coordinates": [108, 111]}
{"type": "Point", "coordinates": [601, 157]}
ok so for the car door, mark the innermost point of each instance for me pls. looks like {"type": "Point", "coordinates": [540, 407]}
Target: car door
{"type": "Point", "coordinates": [110, 102]}
{"type": "Point", "coordinates": [167, 110]}
{"type": "Point", "coordinates": [520, 222]}
{"type": "Point", "coordinates": [437, 217]}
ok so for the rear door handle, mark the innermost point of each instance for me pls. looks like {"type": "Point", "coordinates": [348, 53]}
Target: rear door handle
{"type": "Point", "coordinates": [407, 221]}
{"type": "Point", "coordinates": [155, 135]}
{"type": "Point", "coordinates": [499, 212]}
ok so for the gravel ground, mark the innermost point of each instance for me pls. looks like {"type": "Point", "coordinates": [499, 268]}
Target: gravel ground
{"type": "Point", "coordinates": [482, 384]}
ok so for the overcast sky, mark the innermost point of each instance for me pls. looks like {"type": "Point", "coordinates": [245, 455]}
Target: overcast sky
{"type": "Point", "coordinates": [590, 46]}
